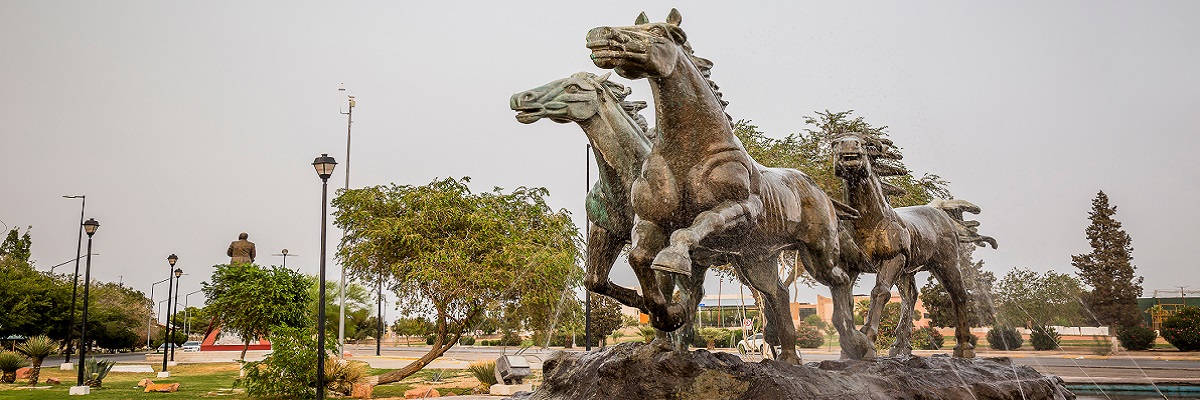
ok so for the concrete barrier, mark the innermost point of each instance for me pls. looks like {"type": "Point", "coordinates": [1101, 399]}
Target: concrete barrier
{"type": "Point", "coordinates": [194, 357]}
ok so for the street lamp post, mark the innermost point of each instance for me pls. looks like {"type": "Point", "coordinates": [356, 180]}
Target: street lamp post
{"type": "Point", "coordinates": [285, 255]}
{"type": "Point", "coordinates": [171, 316]}
{"type": "Point", "coordinates": [342, 286]}
{"type": "Point", "coordinates": [324, 166]}
{"type": "Point", "coordinates": [151, 317]}
{"type": "Point", "coordinates": [171, 259]}
{"type": "Point", "coordinates": [90, 227]}
{"type": "Point", "coordinates": [75, 278]}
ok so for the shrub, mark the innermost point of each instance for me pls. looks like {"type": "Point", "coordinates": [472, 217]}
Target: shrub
{"type": "Point", "coordinates": [1137, 337]}
{"type": "Point", "coordinates": [290, 370]}
{"type": "Point", "coordinates": [1004, 338]}
{"type": "Point", "coordinates": [466, 340]}
{"type": "Point", "coordinates": [10, 362]}
{"type": "Point", "coordinates": [647, 332]}
{"type": "Point", "coordinates": [341, 375]}
{"type": "Point", "coordinates": [1044, 338]}
{"type": "Point", "coordinates": [96, 371]}
{"type": "Point", "coordinates": [511, 338]}
{"type": "Point", "coordinates": [928, 338]}
{"type": "Point", "coordinates": [37, 348]}
{"type": "Point", "coordinates": [711, 336]}
{"type": "Point", "coordinates": [430, 339]}
{"type": "Point", "coordinates": [1101, 345]}
{"type": "Point", "coordinates": [484, 371]}
{"type": "Point", "coordinates": [1182, 330]}
{"type": "Point", "coordinates": [809, 336]}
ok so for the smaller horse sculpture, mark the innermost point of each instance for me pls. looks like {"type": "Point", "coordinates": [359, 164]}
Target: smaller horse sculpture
{"type": "Point", "coordinates": [617, 133]}
{"type": "Point", "coordinates": [898, 243]}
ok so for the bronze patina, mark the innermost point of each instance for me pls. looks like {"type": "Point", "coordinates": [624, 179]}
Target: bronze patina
{"type": "Point", "coordinates": [701, 198]}
{"type": "Point", "coordinates": [897, 243]}
{"type": "Point", "coordinates": [618, 136]}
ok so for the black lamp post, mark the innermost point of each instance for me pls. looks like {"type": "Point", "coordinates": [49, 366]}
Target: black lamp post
{"type": "Point", "coordinates": [89, 227]}
{"type": "Point", "coordinates": [171, 259]}
{"type": "Point", "coordinates": [75, 278]}
{"type": "Point", "coordinates": [324, 165]}
{"type": "Point", "coordinates": [171, 316]}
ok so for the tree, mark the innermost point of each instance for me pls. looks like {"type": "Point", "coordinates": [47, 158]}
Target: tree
{"type": "Point", "coordinates": [37, 348]}
{"type": "Point", "coordinates": [1108, 270]}
{"type": "Point", "coordinates": [251, 300]}
{"type": "Point", "coordinates": [117, 316]}
{"type": "Point", "coordinates": [606, 318]}
{"type": "Point", "coordinates": [31, 302]}
{"type": "Point", "coordinates": [979, 289]}
{"type": "Point", "coordinates": [1026, 298]}
{"type": "Point", "coordinates": [454, 255]}
{"type": "Point", "coordinates": [359, 302]}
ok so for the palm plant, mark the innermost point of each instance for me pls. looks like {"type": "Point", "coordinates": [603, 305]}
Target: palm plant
{"type": "Point", "coordinates": [37, 348]}
{"type": "Point", "coordinates": [96, 370]}
{"type": "Point", "coordinates": [10, 362]}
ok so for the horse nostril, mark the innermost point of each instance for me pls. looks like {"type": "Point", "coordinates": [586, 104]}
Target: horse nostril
{"type": "Point", "coordinates": [527, 96]}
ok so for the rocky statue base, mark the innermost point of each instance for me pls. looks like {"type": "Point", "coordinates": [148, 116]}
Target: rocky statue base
{"type": "Point", "coordinates": [652, 371]}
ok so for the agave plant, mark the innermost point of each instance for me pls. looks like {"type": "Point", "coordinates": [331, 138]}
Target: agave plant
{"type": "Point", "coordinates": [10, 362]}
{"type": "Point", "coordinates": [37, 348]}
{"type": "Point", "coordinates": [96, 370]}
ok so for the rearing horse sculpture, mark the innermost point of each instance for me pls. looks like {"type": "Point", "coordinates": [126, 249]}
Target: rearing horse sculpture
{"type": "Point", "coordinates": [701, 198]}
{"type": "Point", "coordinates": [897, 243]}
{"type": "Point", "coordinates": [618, 137]}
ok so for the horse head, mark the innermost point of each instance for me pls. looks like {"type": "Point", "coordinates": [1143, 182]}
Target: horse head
{"type": "Point", "coordinates": [572, 99]}
{"type": "Point", "coordinates": [858, 155]}
{"type": "Point", "coordinates": [642, 50]}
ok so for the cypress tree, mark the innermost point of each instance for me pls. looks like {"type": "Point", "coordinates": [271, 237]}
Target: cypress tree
{"type": "Point", "coordinates": [1108, 270]}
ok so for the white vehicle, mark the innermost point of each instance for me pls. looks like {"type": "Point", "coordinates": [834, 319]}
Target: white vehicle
{"type": "Point", "coordinates": [756, 345]}
{"type": "Point", "coordinates": [190, 346]}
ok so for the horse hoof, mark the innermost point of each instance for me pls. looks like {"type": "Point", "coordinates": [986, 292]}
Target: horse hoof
{"type": "Point", "coordinates": [964, 352]}
{"type": "Point", "coordinates": [870, 354]}
{"type": "Point", "coordinates": [897, 351]}
{"type": "Point", "coordinates": [673, 261]}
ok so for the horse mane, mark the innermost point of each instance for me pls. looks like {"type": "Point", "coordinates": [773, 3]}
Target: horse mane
{"type": "Point", "coordinates": [632, 108]}
{"type": "Point", "coordinates": [705, 67]}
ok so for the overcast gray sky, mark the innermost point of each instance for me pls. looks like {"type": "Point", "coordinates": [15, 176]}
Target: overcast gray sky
{"type": "Point", "coordinates": [186, 123]}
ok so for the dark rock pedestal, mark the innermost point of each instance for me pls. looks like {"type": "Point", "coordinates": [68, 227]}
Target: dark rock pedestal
{"type": "Point", "coordinates": [652, 371]}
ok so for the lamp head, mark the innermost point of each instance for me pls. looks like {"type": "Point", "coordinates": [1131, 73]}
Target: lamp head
{"type": "Point", "coordinates": [90, 226]}
{"type": "Point", "coordinates": [172, 259]}
{"type": "Point", "coordinates": [178, 272]}
{"type": "Point", "coordinates": [324, 166]}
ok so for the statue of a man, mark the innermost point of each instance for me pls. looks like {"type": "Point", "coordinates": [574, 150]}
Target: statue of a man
{"type": "Point", "coordinates": [241, 251]}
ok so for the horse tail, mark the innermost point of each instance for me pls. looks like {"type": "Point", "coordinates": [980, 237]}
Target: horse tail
{"type": "Point", "coordinates": [967, 229]}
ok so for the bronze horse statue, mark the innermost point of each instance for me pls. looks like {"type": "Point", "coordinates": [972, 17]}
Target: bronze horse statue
{"type": "Point", "coordinates": [617, 133]}
{"type": "Point", "coordinates": [702, 199]}
{"type": "Point", "coordinates": [897, 243]}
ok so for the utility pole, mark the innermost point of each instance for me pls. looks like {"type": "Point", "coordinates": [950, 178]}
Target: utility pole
{"type": "Point", "coordinates": [342, 286]}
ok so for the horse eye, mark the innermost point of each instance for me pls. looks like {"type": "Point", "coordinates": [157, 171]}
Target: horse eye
{"type": "Point", "coordinates": [657, 31]}
{"type": "Point", "coordinates": [572, 88]}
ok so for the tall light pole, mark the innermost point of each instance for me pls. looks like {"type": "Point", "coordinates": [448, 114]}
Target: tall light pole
{"type": "Point", "coordinates": [90, 227]}
{"type": "Point", "coordinates": [187, 316]}
{"type": "Point", "coordinates": [151, 317]}
{"type": "Point", "coordinates": [324, 166]}
{"type": "Point", "coordinates": [342, 287]}
{"type": "Point", "coordinates": [171, 316]}
{"type": "Point", "coordinates": [171, 259]}
{"type": "Point", "coordinates": [75, 278]}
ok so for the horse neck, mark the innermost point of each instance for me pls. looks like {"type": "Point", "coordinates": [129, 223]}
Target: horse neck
{"type": "Point", "coordinates": [618, 142]}
{"type": "Point", "coordinates": [865, 194]}
{"type": "Point", "coordinates": [690, 117]}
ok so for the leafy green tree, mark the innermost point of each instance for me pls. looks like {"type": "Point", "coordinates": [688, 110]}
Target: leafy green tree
{"type": "Point", "coordinates": [454, 255]}
{"type": "Point", "coordinates": [251, 300]}
{"type": "Point", "coordinates": [1108, 270]}
{"type": "Point", "coordinates": [117, 316]}
{"type": "Point", "coordinates": [358, 307]}
{"type": "Point", "coordinates": [1026, 298]}
{"type": "Point", "coordinates": [31, 302]}
{"type": "Point", "coordinates": [606, 318]}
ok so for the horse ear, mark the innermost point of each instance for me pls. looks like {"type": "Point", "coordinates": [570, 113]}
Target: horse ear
{"type": "Point", "coordinates": [604, 77]}
{"type": "Point", "coordinates": [642, 19]}
{"type": "Point", "coordinates": [674, 18]}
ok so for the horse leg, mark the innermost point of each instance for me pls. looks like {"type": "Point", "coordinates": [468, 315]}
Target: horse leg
{"type": "Point", "coordinates": [648, 240]}
{"type": "Point", "coordinates": [908, 302]}
{"type": "Point", "coordinates": [691, 293]}
{"type": "Point", "coordinates": [948, 274]}
{"type": "Point", "coordinates": [603, 247]}
{"type": "Point", "coordinates": [779, 329]}
{"type": "Point", "coordinates": [889, 271]}
{"type": "Point", "coordinates": [677, 258]}
{"type": "Point", "coordinates": [854, 344]}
